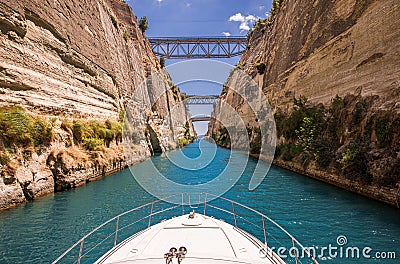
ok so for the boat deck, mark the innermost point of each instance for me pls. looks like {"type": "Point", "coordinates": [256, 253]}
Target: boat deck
{"type": "Point", "coordinates": [206, 240]}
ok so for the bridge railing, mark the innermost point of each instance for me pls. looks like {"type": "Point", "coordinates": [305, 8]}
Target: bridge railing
{"type": "Point", "coordinates": [195, 38]}
{"type": "Point", "coordinates": [198, 47]}
{"type": "Point", "coordinates": [201, 99]}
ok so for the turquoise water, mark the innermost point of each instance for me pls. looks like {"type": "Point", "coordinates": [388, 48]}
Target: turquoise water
{"type": "Point", "coordinates": [314, 212]}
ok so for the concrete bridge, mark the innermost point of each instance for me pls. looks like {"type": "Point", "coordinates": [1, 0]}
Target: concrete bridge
{"type": "Point", "coordinates": [198, 47]}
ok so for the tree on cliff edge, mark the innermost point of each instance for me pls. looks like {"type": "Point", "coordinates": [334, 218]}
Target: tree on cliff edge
{"type": "Point", "coordinates": [143, 24]}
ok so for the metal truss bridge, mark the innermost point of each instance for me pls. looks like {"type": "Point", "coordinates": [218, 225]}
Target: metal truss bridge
{"type": "Point", "coordinates": [198, 47]}
{"type": "Point", "coordinates": [201, 99]}
{"type": "Point", "coordinates": [199, 118]}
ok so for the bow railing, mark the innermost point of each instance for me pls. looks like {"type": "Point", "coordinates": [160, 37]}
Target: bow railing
{"type": "Point", "coordinates": [249, 222]}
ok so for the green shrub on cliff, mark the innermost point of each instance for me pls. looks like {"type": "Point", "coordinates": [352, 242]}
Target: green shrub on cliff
{"type": "Point", "coordinates": [116, 130]}
{"type": "Point", "coordinates": [4, 159]}
{"type": "Point", "coordinates": [349, 155]}
{"type": "Point", "coordinates": [288, 125]}
{"type": "Point", "coordinates": [143, 24]}
{"type": "Point", "coordinates": [93, 132]}
{"type": "Point", "coordinates": [260, 66]}
{"type": "Point", "coordinates": [262, 24]}
{"type": "Point", "coordinates": [313, 133]}
{"type": "Point", "coordinates": [276, 6]}
{"type": "Point", "coordinates": [77, 130]}
{"type": "Point", "coordinates": [18, 129]}
{"type": "Point", "coordinates": [183, 141]}
{"type": "Point", "coordinates": [15, 126]}
{"type": "Point", "coordinates": [223, 139]}
{"type": "Point", "coordinates": [187, 138]}
{"type": "Point", "coordinates": [382, 131]}
{"type": "Point", "coordinates": [114, 21]}
{"type": "Point", "coordinates": [359, 111]}
{"type": "Point", "coordinates": [306, 135]}
{"type": "Point", "coordinates": [92, 143]}
{"type": "Point", "coordinates": [162, 62]}
{"type": "Point", "coordinates": [324, 151]}
{"type": "Point", "coordinates": [42, 133]}
{"type": "Point", "coordinates": [287, 151]}
{"type": "Point", "coordinates": [126, 36]}
{"type": "Point", "coordinates": [175, 92]}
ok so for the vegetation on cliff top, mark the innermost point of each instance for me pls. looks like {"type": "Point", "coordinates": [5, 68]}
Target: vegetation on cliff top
{"type": "Point", "coordinates": [143, 24]}
{"type": "Point", "coordinates": [263, 24]}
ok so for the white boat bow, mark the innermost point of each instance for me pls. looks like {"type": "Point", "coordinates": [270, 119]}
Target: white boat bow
{"type": "Point", "coordinates": [203, 238]}
{"type": "Point", "coordinates": [182, 238]}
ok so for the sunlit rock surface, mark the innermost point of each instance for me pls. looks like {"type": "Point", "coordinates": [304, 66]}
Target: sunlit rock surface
{"type": "Point", "coordinates": [70, 59]}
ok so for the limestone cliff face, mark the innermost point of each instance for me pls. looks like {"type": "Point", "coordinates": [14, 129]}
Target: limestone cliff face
{"type": "Point", "coordinates": [320, 49]}
{"type": "Point", "coordinates": [72, 56]}
{"type": "Point", "coordinates": [344, 57]}
{"type": "Point", "coordinates": [69, 59]}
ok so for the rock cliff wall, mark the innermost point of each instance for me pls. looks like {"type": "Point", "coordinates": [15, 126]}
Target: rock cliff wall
{"type": "Point", "coordinates": [330, 70]}
{"type": "Point", "coordinates": [78, 62]}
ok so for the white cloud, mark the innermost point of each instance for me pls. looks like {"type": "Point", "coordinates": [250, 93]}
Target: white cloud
{"type": "Point", "coordinates": [244, 27]}
{"type": "Point", "coordinates": [245, 21]}
{"type": "Point", "coordinates": [226, 34]}
{"type": "Point", "coordinates": [237, 17]}
{"type": "Point", "coordinates": [159, 1]}
{"type": "Point", "coordinates": [188, 5]}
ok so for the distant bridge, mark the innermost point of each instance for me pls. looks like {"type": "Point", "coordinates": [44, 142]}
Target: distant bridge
{"type": "Point", "coordinates": [199, 118]}
{"type": "Point", "coordinates": [201, 99]}
{"type": "Point", "coordinates": [198, 47]}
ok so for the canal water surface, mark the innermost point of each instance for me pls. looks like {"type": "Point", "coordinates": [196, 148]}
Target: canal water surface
{"type": "Point", "coordinates": [317, 214]}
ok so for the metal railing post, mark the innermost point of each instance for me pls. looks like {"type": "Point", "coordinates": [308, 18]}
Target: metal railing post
{"type": "Point", "coordinates": [199, 202]}
{"type": "Point", "coordinates": [265, 231]}
{"type": "Point", "coordinates": [297, 258]}
{"type": "Point", "coordinates": [205, 203]}
{"type": "Point", "coordinates": [151, 213]}
{"type": "Point", "coordinates": [183, 207]}
{"type": "Point", "coordinates": [80, 252]}
{"type": "Point", "coordinates": [234, 214]}
{"type": "Point", "coordinates": [116, 232]}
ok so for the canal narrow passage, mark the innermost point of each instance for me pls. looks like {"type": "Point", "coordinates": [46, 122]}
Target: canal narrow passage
{"type": "Point", "coordinates": [316, 213]}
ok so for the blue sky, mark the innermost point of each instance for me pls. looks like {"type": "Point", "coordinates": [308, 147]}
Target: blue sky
{"type": "Point", "coordinates": [199, 17]}
{"type": "Point", "coordinates": [179, 18]}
